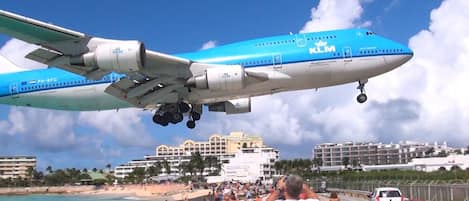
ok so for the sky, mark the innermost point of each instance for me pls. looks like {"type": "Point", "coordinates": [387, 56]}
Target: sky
{"type": "Point", "coordinates": [426, 100]}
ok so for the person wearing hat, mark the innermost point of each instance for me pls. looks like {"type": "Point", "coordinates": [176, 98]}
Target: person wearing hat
{"type": "Point", "coordinates": [290, 187]}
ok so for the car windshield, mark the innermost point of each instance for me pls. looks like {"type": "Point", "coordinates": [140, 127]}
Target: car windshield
{"type": "Point", "coordinates": [389, 194]}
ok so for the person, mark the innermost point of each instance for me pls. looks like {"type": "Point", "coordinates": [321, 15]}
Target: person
{"type": "Point", "coordinates": [334, 197]}
{"type": "Point", "coordinates": [291, 187]}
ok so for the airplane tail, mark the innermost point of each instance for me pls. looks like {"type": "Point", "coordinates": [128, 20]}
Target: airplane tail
{"type": "Point", "coordinates": [6, 66]}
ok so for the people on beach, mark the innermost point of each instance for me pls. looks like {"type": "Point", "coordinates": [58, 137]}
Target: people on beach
{"type": "Point", "coordinates": [290, 187]}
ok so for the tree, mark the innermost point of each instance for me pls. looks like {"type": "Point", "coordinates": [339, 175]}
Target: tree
{"type": "Point", "coordinates": [198, 162]}
{"type": "Point", "coordinates": [430, 151]}
{"type": "Point", "coordinates": [167, 167]}
{"type": "Point", "coordinates": [49, 169]}
{"type": "Point", "coordinates": [467, 150]}
{"type": "Point", "coordinates": [355, 163]}
{"type": "Point", "coordinates": [137, 175]}
{"type": "Point", "coordinates": [278, 167]}
{"type": "Point", "coordinates": [317, 162]}
{"type": "Point", "coordinates": [95, 169]}
{"type": "Point", "coordinates": [211, 162]}
{"type": "Point", "coordinates": [30, 173]}
{"type": "Point", "coordinates": [108, 166]}
{"type": "Point", "coordinates": [85, 170]}
{"type": "Point", "coordinates": [346, 161]}
{"type": "Point", "coordinates": [442, 169]}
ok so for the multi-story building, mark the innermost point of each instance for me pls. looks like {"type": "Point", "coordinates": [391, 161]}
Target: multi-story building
{"type": "Point", "coordinates": [369, 153]}
{"type": "Point", "coordinates": [16, 166]}
{"type": "Point", "coordinates": [221, 147]}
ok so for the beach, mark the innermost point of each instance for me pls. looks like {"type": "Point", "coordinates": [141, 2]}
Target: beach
{"type": "Point", "coordinates": [169, 191]}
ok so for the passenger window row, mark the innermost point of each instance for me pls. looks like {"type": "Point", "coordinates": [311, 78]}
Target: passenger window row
{"type": "Point", "coordinates": [293, 40]}
{"type": "Point", "coordinates": [59, 84]}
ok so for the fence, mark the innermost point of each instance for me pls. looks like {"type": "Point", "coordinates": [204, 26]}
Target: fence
{"type": "Point", "coordinates": [414, 191]}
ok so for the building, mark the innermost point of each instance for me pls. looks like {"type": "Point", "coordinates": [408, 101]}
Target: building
{"type": "Point", "coordinates": [16, 166]}
{"type": "Point", "coordinates": [248, 165]}
{"type": "Point", "coordinates": [356, 154]}
{"type": "Point", "coordinates": [223, 148]}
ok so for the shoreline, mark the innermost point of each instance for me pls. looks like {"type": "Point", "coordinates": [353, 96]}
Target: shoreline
{"type": "Point", "coordinates": [143, 192]}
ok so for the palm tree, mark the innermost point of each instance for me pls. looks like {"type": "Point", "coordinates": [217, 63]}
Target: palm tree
{"type": "Point", "coordinates": [198, 162]}
{"type": "Point", "coordinates": [49, 169]}
{"type": "Point", "coordinates": [317, 162]}
{"type": "Point", "coordinates": [167, 167]}
{"type": "Point", "coordinates": [278, 167]}
{"type": "Point", "coordinates": [211, 162]}
{"type": "Point", "coordinates": [108, 166]}
{"type": "Point", "coordinates": [346, 162]}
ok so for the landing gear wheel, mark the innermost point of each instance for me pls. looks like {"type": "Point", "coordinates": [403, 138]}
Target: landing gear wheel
{"type": "Point", "coordinates": [195, 116]}
{"type": "Point", "coordinates": [176, 117]}
{"type": "Point", "coordinates": [190, 124]}
{"type": "Point", "coordinates": [362, 98]}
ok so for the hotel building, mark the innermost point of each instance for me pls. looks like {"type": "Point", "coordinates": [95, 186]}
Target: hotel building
{"type": "Point", "coordinates": [222, 147]}
{"type": "Point", "coordinates": [16, 166]}
{"type": "Point", "coordinates": [369, 153]}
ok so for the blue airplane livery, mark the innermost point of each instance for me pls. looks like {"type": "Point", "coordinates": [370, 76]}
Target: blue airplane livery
{"type": "Point", "coordinates": [89, 73]}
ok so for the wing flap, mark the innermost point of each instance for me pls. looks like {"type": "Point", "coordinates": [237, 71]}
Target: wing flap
{"type": "Point", "coordinates": [43, 55]}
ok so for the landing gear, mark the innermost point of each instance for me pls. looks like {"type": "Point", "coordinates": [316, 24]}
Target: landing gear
{"type": "Point", "coordinates": [174, 114]}
{"type": "Point", "coordinates": [361, 98]}
{"type": "Point", "coordinates": [190, 124]}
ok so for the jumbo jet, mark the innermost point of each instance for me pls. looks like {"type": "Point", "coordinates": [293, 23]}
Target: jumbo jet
{"type": "Point", "coordinates": [89, 73]}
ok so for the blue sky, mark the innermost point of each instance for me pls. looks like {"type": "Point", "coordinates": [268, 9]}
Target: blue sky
{"type": "Point", "coordinates": [181, 26]}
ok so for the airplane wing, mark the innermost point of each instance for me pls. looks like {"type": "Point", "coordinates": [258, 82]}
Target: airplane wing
{"type": "Point", "coordinates": [151, 77]}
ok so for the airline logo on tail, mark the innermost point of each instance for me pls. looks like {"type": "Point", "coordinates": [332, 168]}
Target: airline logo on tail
{"type": "Point", "coordinates": [322, 47]}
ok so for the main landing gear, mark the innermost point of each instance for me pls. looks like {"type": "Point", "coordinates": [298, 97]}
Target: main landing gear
{"type": "Point", "coordinates": [174, 114]}
{"type": "Point", "coordinates": [361, 98]}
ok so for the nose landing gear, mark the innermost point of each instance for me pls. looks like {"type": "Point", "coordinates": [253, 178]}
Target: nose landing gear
{"type": "Point", "coordinates": [361, 98]}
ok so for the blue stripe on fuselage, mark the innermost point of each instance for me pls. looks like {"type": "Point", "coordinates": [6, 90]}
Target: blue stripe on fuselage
{"type": "Point", "coordinates": [259, 52]}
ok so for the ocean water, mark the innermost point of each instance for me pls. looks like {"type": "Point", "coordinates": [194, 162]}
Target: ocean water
{"type": "Point", "coordinates": [65, 198]}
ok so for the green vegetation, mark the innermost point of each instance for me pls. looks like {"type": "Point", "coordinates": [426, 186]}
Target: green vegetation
{"type": "Point", "coordinates": [59, 177]}
{"type": "Point", "coordinates": [304, 167]}
{"type": "Point", "coordinates": [192, 170]}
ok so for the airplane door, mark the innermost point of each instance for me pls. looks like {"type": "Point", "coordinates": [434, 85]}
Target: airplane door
{"type": "Point", "coordinates": [347, 53]}
{"type": "Point", "coordinates": [300, 40]}
{"type": "Point", "coordinates": [14, 90]}
{"type": "Point", "coordinates": [277, 61]}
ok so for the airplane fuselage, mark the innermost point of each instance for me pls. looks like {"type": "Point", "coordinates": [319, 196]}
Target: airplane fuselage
{"type": "Point", "coordinates": [292, 62]}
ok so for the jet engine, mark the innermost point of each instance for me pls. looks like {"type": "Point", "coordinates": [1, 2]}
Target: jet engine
{"type": "Point", "coordinates": [223, 78]}
{"type": "Point", "coordinates": [236, 106]}
{"type": "Point", "coordinates": [122, 57]}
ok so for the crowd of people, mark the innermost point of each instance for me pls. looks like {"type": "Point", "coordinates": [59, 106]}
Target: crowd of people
{"type": "Point", "coordinates": [290, 187]}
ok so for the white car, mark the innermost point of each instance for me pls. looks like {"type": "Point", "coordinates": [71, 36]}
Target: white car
{"type": "Point", "coordinates": [386, 194]}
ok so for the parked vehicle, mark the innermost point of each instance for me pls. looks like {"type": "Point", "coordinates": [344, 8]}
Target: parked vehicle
{"type": "Point", "coordinates": [386, 194]}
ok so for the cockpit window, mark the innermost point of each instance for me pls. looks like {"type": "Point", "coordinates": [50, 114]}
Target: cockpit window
{"type": "Point", "coordinates": [369, 33]}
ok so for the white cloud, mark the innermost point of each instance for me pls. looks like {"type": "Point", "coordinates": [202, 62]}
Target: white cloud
{"type": "Point", "coordinates": [44, 129]}
{"type": "Point", "coordinates": [208, 45]}
{"type": "Point", "coordinates": [15, 51]}
{"type": "Point", "coordinates": [126, 126]}
{"type": "Point", "coordinates": [425, 100]}
{"type": "Point", "coordinates": [335, 14]}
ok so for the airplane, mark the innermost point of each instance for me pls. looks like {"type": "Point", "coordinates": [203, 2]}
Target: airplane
{"type": "Point", "coordinates": [89, 73]}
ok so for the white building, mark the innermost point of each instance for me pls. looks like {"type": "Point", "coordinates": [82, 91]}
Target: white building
{"type": "Point", "coordinates": [434, 163]}
{"type": "Point", "coordinates": [223, 148]}
{"type": "Point", "coordinates": [16, 166]}
{"type": "Point", "coordinates": [248, 165]}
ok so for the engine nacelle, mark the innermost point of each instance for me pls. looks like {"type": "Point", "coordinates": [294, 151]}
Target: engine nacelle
{"type": "Point", "coordinates": [236, 106]}
{"type": "Point", "coordinates": [224, 78]}
{"type": "Point", "coordinates": [122, 57]}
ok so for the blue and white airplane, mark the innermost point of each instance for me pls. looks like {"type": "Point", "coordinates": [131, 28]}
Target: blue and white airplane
{"type": "Point", "coordinates": [91, 73]}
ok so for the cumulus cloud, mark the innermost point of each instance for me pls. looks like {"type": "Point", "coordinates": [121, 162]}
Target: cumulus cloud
{"type": "Point", "coordinates": [425, 100]}
{"type": "Point", "coordinates": [45, 130]}
{"type": "Point", "coordinates": [126, 126]}
{"type": "Point", "coordinates": [335, 14]}
{"type": "Point", "coordinates": [15, 51]}
{"type": "Point", "coordinates": [208, 45]}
